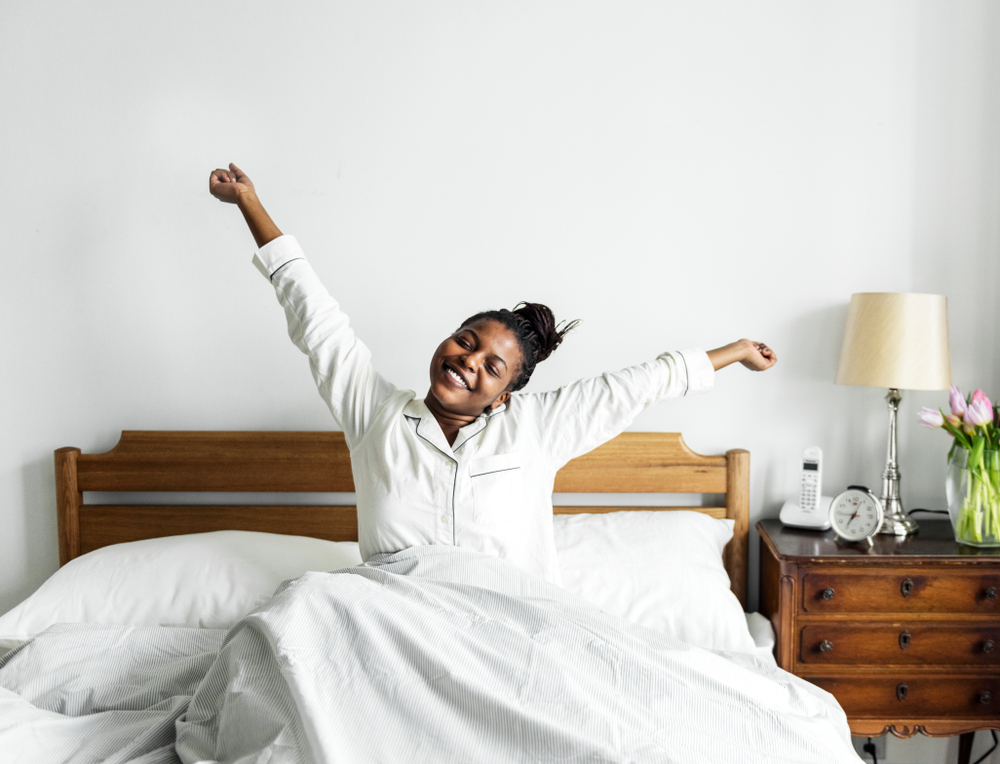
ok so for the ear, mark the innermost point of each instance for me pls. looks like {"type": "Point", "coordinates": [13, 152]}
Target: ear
{"type": "Point", "coordinates": [501, 399]}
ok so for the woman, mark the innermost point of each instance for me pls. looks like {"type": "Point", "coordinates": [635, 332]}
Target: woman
{"type": "Point", "coordinates": [473, 463]}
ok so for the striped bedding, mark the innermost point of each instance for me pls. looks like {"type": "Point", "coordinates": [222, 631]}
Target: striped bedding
{"type": "Point", "coordinates": [433, 654]}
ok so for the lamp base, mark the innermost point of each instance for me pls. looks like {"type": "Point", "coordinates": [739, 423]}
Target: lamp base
{"type": "Point", "coordinates": [898, 524]}
{"type": "Point", "coordinates": [895, 522]}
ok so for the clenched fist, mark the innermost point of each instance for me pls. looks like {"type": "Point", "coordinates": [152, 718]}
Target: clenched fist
{"type": "Point", "coordinates": [229, 185]}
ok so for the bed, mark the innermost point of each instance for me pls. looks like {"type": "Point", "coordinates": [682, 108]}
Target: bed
{"type": "Point", "coordinates": [241, 631]}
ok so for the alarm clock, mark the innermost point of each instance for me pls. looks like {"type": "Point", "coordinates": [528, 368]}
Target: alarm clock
{"type": "Point", "coordinates": [856, 514]}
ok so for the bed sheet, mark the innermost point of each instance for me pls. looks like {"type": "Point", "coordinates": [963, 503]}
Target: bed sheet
{"type": "Point", "coordinates": [6, 645]}
{"type": "Point", "coordinates": [762, 633]}
{"type": "Point", "coordinates": [97, 693]}
{"type": "Point", "coordinates": [429, 655]}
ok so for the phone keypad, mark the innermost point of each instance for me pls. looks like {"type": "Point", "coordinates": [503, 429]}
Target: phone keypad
{"type": "Point", "coordinates": [807, 497]}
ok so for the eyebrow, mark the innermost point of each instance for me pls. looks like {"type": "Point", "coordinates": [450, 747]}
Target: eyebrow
{"type": "Point", "coordinates": [499, 358]}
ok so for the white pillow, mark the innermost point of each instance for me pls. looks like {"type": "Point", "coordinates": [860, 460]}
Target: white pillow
{"type": "Point", "coordinates": [661, 569]}
{"type": "Point", "coordinates": [201, 580]}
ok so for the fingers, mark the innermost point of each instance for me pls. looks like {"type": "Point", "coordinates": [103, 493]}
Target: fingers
{"type": "Point", "coordinates": [238, 174]}
{"type": "Point", "coordinates": [221, 176]}
{"type": "Point", "coordinates": [768, 356]}
{"type": "Point", "coordinates": [223, 185]}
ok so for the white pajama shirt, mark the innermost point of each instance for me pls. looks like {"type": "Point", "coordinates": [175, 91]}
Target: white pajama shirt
{"type": "Point", "coordinates": [491, 490]}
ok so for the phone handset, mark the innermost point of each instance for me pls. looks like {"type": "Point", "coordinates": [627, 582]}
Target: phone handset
{"type": "Point", "coordinates": [812, 510]}
{"type": "Point", "coordinates": [812, 479]}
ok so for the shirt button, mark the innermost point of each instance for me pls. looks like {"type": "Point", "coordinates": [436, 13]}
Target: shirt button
{"type": "Point", "coordinates": [444, 518]}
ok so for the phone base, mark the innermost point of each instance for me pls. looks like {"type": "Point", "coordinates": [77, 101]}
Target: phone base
{"type": "Point", "coordinates": [794, 516]}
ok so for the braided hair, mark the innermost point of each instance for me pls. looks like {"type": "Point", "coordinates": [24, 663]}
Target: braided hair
{"type": "Point", "coordinates": [536, 331]}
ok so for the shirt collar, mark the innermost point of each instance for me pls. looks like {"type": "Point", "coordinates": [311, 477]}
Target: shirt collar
{"type": "Point", "coordinates": [428, 428]}
{"type": "Point", "coordinates": [498, 410]}
{"type": "Point", "coordinates": [417, 409]}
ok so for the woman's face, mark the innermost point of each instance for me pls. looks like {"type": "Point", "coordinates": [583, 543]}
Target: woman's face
{"type": "Point", "coordinates": [471, 370]}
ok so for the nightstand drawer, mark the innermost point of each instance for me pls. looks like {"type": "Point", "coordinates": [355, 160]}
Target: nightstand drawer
{"type": "Point", "coordinates": [881, 644]}
{"type": "Point", "coordinates": [896, 590]}
{"type": "Point", "coordinates": [906, 696]}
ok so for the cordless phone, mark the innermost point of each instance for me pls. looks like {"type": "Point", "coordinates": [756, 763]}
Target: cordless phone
{"type": "Point", "coordinates": [812, 510]}
{"type": "Point", "coordinates": [812, 479]}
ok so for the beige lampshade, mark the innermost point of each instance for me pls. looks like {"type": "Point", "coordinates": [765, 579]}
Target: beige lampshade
{"type": "Point", "coordinates": [896, 340]}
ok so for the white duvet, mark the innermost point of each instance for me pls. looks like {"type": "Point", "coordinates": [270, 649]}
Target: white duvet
{"type": "Point", "coordinates": [433, 654]}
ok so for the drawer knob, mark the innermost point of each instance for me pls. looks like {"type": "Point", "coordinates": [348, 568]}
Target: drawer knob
{"type": "Point", "coordinates": [826, 646]}
{"type": "Point", "coordinates": [906, 587]}
{"type": "Point", "coordinates": [991, 593]}
{"type": "Point", "coordinates": [985, 697]}
{"type": "Point", "coordinates": [904, 640]}
{"type": "Point", "coordinates": [828, 593]}
{"type": "Point", "coordinates": [988, 646]}
{"type": "Point", "coordinates": [901, 691]}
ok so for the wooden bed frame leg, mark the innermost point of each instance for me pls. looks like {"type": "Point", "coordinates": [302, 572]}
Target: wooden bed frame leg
{"type": "Point", "coordinates": [738, 508]}
{"type": "Point", "coordinates": [68, 502]}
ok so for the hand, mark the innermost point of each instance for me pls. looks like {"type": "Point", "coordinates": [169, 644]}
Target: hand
{"type": "Point", "coordinates": [759, 357]}
{"type": "Point", "coordinates": [234, 187]}
{"type": "Point", "coordinates": [756, 356]}
{"type": "Point", "coordinates": [229, 185]}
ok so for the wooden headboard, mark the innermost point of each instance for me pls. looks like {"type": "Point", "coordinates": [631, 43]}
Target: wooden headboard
{"type": "Point", "coordinates": [319, 462]}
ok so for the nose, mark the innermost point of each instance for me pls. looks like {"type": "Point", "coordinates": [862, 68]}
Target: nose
{"type": "Point", "coordinates": [473, 359]}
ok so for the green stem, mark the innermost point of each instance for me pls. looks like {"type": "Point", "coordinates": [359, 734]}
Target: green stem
{"type": "Point", "coordinates": [978, 519]}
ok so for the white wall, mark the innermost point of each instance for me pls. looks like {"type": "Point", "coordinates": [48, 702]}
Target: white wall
{"type": "Point", "coordinates": [673, 173]}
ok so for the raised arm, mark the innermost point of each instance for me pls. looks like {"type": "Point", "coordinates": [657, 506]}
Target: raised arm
{"type": "Point", "coordinates": [340, 362]}
{"type": "Point", "coordinates": [234, 187]}
{"type": "Point", "coordinates": [580, 416]}
{"type": "Point", "coordinates": [584, 414]}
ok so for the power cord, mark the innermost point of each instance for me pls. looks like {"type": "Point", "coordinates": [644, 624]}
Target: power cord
{"type": "Point", "coordinates": [869, 747]}
{"type": "Point", "coordinates": [929, 511]}
{"type": "Point", "coordinates": [986, 755]}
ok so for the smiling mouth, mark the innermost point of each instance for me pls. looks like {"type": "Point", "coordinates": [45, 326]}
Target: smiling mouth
{"type": "Point", "coordinates": [457, 377]}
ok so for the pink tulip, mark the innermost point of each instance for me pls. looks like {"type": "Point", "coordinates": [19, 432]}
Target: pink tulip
{"type": "Point", "coordinates": [957, 400]}
{"type": "Point", "coordinates": [980, 413]}
{"type": "Point", "coordinates": [930, 418]}
{"type": "Point", "coordinates": [980, 396]}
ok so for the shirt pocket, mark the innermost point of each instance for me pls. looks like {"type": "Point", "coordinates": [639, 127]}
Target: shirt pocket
{"type": "Point", "coordinates": [497, 487]}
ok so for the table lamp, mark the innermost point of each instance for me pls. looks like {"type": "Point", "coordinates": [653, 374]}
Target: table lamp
{"type": "Point", "coordinates": [898, 341]}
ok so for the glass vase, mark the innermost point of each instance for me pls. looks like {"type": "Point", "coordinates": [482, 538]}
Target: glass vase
{"type": "Point", "coordinates": [973, 492]}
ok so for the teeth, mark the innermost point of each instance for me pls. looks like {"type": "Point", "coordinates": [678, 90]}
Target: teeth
{"type": "Point", "coordinates": [458, 378]}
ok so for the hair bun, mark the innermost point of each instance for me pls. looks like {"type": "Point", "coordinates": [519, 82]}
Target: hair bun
{"type": "Point", "coordinates": [542, 323]}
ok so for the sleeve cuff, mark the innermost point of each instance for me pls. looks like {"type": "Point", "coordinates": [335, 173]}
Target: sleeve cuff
{"type": "Point", "coordinates": [276, 253]}
{"type": "Point", "coordinates": [700, 372]}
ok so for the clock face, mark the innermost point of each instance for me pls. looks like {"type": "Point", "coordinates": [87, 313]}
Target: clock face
{"type": "Point", "coordinates": [856, 515]}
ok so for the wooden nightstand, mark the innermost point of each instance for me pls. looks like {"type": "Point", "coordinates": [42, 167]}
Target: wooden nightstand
{"type": "Point", "coordinates": [906, 635]}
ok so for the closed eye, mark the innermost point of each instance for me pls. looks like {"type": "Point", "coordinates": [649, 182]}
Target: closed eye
{"type": "Point", "coordinates": [466, 343]}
